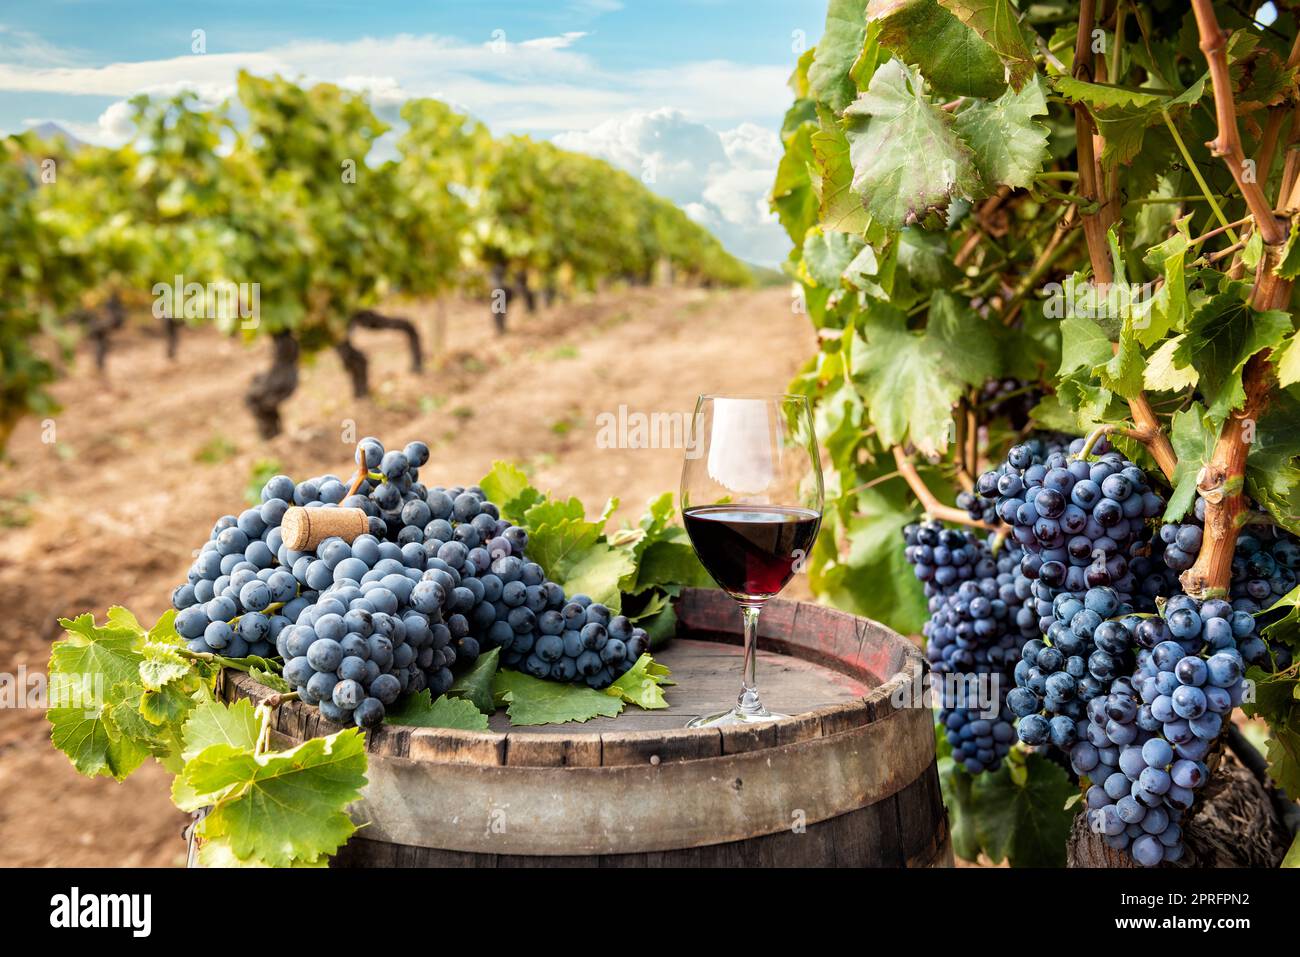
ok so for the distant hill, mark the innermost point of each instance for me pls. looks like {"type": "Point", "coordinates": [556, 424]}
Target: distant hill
{"type": "Point", "coordinates": [49, 131]}
{"type": "Point", "coordinates": [766, 276]}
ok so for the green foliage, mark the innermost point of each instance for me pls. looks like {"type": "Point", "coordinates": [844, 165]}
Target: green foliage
{"type": "Point", "coordinates": [635, 571]}
{"type": "Point", "coordinates": [930, 185]}
{"type": "Point", "coordinates": [421, 711]}
{"type": "Point", "coordinates": [293, 199]}
{"type": "Point", "coordinates": [1017, 814]}
{"type": "Point", "coordinates": [120, 695]}
{"type": "Point", "coordinates": [530, 700]}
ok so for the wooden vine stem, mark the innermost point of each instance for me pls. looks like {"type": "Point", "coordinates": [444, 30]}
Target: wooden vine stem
{"type": "Point", "coordinates": [933, 507]}
{"type": "Point", "coordinates": [1222, 482]}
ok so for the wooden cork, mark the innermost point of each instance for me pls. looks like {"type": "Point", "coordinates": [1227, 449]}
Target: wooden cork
{"type": "Point", "coordinates": [305, 528]}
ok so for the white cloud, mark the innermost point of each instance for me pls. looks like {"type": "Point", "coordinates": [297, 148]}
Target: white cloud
{"type": "Point", "coordinates": [541, 83]}
{"type": "Point", "coordinates": [28, 49]}
{"type": "Point", "coordinates": [721, 179]}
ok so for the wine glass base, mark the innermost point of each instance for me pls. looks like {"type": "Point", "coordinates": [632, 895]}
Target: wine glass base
{"type": "Point", "coordinates": [734, 716]}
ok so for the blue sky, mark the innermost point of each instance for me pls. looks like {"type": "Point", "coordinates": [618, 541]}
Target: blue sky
{"type": "Point", "coordinates": [688, 94]}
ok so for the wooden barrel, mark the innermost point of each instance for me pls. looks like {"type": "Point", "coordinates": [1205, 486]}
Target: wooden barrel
{"type": "Point", "coordinates": [848, 780]}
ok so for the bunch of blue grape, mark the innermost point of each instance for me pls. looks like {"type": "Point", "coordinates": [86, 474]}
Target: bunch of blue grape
{"type": "Point", "coordinates": [369, 637]}
{"type": "Point", "coordinates": [1083, 650]}
{"type": "Point", "coordinates": [1264, 569]}
{"type": "Point", "coordinates": [1148, 741]}
{"type": "Point", "coordinates": [439, 576]}
{"type": "Point", "coordinates": [971, 633]}
{"type": "Point", "coordinates": [240, 593]}
{"type": "Point", "coordinates": [942, 558]}
{"type": "Point", "coordinates": [549, 636]}
{"type": "Point", "coordinates": [1142, 735]}
{"type": "Point", "coordinates": [1076, 519]}
{"type": "Point", "coordinates": [978, 508]}
{"type": "Point", "coordinates": [973, 630]}
{"type": "Point", "coordinates": [1264, 565]}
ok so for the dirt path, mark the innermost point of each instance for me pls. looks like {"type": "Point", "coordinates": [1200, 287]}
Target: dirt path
{"type": "Point", "coordinates": [142, 464]}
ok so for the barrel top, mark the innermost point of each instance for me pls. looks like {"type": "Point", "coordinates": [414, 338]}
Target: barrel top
{"type": "Point", "coordinates": [830, 670]}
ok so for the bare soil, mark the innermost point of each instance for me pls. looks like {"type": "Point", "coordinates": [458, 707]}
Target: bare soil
{"type": "Point", "coordinates": [106, 503]}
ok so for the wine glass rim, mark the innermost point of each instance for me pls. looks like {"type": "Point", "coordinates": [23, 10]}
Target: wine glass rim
{"type": "Point", "coordinates": [753, 395]}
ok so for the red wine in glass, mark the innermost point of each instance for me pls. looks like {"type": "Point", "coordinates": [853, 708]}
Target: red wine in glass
{"type": "Point", "coordinates": [752, 551]}
{"type": "Point", "coordinates": [752, 503]}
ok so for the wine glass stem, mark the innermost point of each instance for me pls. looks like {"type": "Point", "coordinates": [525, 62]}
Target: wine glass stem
{"type": "Point", "coordinates": [748, 701]}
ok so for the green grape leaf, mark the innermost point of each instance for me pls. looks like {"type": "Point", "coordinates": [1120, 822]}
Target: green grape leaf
{"type": "Point", "coordinates": [793, 198]}
{"type": "Point", "coordinates": [642, 684]}
{"type": "Point", "coordinates": [1287, 627]}
{"type": "Point", "coordinates": [1021, 817]}
{"type": "Point", "coordinates": [124, 715]}
{"type": "Point", "coordinates": [269, 679]}
{"type": "Point", "coordinates": [1122, 372]}
{"type": "Point", "coordinates": [1163, 374]}
{"type": "Point", "coordinates": [952, 56]}
{"type": "Point", "coordinates": [1167, 309]}
{"type": "Point", "coordinates": [827, 255]}
{"type": "Point", "coordinates": [1193, 442]}
{"type": "Point", "coordinates": [218, 854]}
{"type": "Point", "coordinates": [1084, 345]}
{"type": "Point", "coordinates": [907, 379]}
{"type": "Point", "coordinates": [840, 208]}
{"type": "Point", "coordinates": [283, 806]}
{"type": "Point", "coordinates": [421, 711]}
{"type": "Point", "coordinates": [475, 685]}
{"type": "Point", "coordinates": [995, 21]}
{"type": "Point", "coordinates": [1283, 753]}
{"type": "Point", "coordinates": [161, 665]}
{"type": "Point", "coordinates": [670, 563]}
{"type": "Point", "coordinates": [829, 79]}
{"type": "Point", "coordinates": [1222, 336]}
{"type": "Point", "coordinates": [574, 551]}
{"type": "Point", "coordinates": [907, 159]}
{"type": "Point", "coordinates": [531, 701]}
{"type": "Point", "coordinates": [508, 487]}
{"type": "Point", "coordinates": [1286, 359]}
{"type": "Point", "coordinates": [1123, 114]}
{"type": "Point", "coordinates": [970, 352]}
{"type": "Point", "coordinates": [552, 511]}
{"type": "Point", "coordinates": [89, 668]}
{"type": "Point", "coordinates": [214, 722]}
{"type": "Point", "coordinates": [1273, 466]}
{"type": "Point", "coordinates": [1292, 858]}
{"type": "Point", "coordinates": [1050, 414]}
{"type": "Point", "coordinates": [1008, 144]}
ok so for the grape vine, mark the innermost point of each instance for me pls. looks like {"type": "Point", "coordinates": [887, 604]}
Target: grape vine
{"type": "Point", "coordinates": [1047, 223]}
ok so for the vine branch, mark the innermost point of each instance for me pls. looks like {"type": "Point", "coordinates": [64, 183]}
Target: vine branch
{"type": "Point", "coordinates": [1222, 482]}
{"type": "Point", "coordinates": [1094, 223]}
{"type": "Point", "coordinates": [1228, 141]}
{"type": "Point", "coordinates": [933, 507]}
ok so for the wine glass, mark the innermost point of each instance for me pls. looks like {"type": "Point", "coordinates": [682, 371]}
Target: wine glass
{"type": "Point", "coordinates": [752, 503]}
